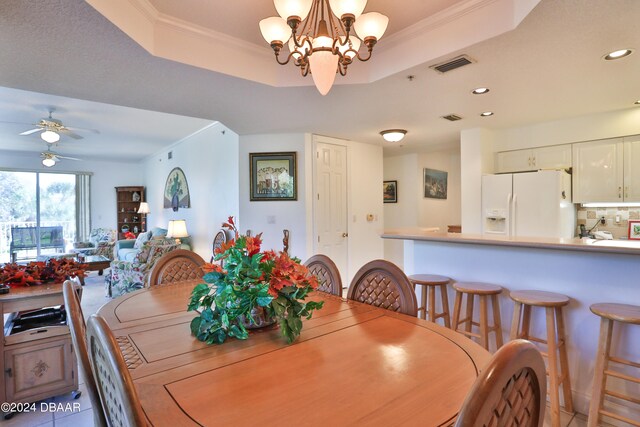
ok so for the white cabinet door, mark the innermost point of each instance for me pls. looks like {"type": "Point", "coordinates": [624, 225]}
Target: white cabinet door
{"type": "Point", "coordinates": [553, 157]}
{"type": "Point", "coordinates": [632, 169]}
{"type": "Point", "coordinates": [598, 171]}
{"type": "Point", "coordinates": [515, 161]}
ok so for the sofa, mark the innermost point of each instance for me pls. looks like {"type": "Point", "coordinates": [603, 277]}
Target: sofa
{"type": "Point", "coordinates": [126, 250]}
{"type": "Point", "coordinates": [101, 242]}
{"type": "Point", "coordinates": [128, 276]}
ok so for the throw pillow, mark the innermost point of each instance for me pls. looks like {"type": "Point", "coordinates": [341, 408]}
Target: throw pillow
{"type": "Point", "coordinates": [142, 237]}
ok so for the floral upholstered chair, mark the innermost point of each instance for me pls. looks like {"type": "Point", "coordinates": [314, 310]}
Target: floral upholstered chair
{"type": "Point", "coordinates": [128, 276]}
{"type": "Point", "coordinates": [101, 242]}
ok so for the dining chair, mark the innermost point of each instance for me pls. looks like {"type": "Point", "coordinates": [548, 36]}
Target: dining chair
{"type": "Point", "coordinates": [117, 393]}
{"type": "Point", "coordinates": [78, 329]}
{"type": "Point", "coordinates": [327, 273]}
{"type": "Point", "coordinates": [176, 266]}
{"type": "Point", "coordinates": [219, 239]}
{"type": "Point", "coordinates": [510, 390]}
{"type": "Point", "coordinates": [383, 284]}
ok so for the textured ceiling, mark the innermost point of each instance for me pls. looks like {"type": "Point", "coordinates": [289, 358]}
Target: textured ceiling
{"type": "Point", "coordinates": [550, 67]}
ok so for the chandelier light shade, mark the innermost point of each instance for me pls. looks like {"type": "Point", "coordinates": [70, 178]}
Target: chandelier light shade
{"type": "Point", "coordinates": [50, 136]}
{"type": "Point", "coordinates": [48, 162]}
{"type": "Point", "coordinates": [393, 135]}
{"type": "Point", "coordinates": [320, 37]}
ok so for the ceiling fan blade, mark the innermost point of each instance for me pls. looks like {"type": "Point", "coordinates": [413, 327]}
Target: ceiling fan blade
{"type": "Point", "coordinates": [70, 134]}
{"type": "Point", "coordinates": [68, 158]}
{"type": "Point", "coordinates": [29, 132]}
{"type": "Point", "coordinates": [83, 129]}
{"type": "Point", "coordinates": [16, 123]}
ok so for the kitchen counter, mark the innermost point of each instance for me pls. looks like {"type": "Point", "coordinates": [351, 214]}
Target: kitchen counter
{"type": "Point", "coordinates": [588, 271]}
{"type": "Point", "coordinates": [629, 247]}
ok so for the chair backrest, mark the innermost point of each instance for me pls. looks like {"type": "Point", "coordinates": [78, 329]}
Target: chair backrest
{"type": "Point", "coordinates": [218, 240]}
{"type": "Point", "coordinates": [382, 284]}
{"type": "Point", "coordinates": [327, 273]}
{"type": "Point", "coordinates": [176, 266]}
{"type": "Point", "coordinates": [117, 393]}
{"type": "Point", "coordinates": [78, 330]}
{"type": "Point", "coordinates": [511, 389]}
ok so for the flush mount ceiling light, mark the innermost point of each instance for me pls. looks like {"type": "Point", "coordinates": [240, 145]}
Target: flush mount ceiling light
{"type": "Point", "coordinates": [393, 135]}
{"type": "Point", "coordinates": [487, 114]}
{"type": "Point", "coordinates": [480, 90]}
{"type": "Point", "coordinates": [319, 35]}
{"type": "Point", "coordinates": [617, 54]}
{"type": "Point", "coordinates": [50, 136]}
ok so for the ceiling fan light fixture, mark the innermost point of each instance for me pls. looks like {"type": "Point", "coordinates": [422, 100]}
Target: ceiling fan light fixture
{"type": "Point", "coordinates": [50, 137]}
{"type": "Point", "coordinates": [393, 135]}
{"type": "Point", "coordinates": [48, 162]}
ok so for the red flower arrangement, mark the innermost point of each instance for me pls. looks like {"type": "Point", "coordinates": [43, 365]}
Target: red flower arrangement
{"type": "Point", "coordinates": [251, 282]}
{"type": "Point", "coordinates": [37, 273]}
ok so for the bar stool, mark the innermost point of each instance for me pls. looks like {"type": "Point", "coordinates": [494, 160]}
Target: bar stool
{"type": "Point", "coordinates": [429, 283]}
{"type": "Point", "coordinates": [484, 291]}
{"type": "Point", "coordinates": [556, 342]}
{"type": "Point", "coordinates": [610, 313]}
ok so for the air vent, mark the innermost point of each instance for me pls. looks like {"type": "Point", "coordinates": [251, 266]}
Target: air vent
{"type": "Point", "coordinates": [452, 64]}
{"type": "Point", "coordinates": [452, 117]}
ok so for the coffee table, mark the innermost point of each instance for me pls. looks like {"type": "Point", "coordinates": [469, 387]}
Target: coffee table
{"type": "Point", "coordinates": [95, 263]}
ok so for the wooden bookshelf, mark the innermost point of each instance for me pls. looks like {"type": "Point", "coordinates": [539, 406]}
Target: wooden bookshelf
{"type": "Point", "coordinates": [127, 203]}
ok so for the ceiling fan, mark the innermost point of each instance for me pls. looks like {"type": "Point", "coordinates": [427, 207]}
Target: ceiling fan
{"type": "Point", "coordinates": [52, 128]}
{"type": "Point", "coordinates": [49, 158]}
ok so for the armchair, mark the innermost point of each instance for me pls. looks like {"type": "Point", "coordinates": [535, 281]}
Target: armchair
{"type": "Point", "coordinates": [101, 242]}
{"type": "Point", "coordinates": [128, 276]}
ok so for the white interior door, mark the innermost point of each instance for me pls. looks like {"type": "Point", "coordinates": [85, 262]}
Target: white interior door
{"type": "Point", "coordinates": [330, 204]}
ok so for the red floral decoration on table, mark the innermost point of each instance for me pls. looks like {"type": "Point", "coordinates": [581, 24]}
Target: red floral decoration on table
{"type": "Point", "coordinates": [129, 235]}
{"type": "Point", "coordinates": [37, 273]}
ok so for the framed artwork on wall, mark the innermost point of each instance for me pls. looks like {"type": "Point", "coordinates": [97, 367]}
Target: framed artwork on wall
{"type": "Point", "coordinates": [390, 191]}
{"type": "Point", "coordinates": [435, 184]}
{"type": "Point", "coordinates": [176, 190]}
{"type": "Point", "coordinates": [634, 230]}
{"type": "Point", "coordinates": [273, 176]}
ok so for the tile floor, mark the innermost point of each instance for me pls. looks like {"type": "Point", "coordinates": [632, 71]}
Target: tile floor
{"type": "Point", "coordinates": [93, 298]}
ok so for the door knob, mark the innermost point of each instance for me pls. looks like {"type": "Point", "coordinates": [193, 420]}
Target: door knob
{"type": "Point", "coordinates": [345, 234]}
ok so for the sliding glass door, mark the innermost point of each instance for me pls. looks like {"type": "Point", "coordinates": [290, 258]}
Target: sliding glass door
{"type": "Point", "coordinates": [37, 214]}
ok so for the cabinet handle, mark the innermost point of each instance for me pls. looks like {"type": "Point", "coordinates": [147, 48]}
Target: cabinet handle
{"type": "Point", "coordinates": [534, 161]}
{"type": "Point", "coordinates": [626, 192]}
{"type": "Point", "coordinates": [529, 160]}
{"type": "Point", "coordinates": [345, 234]}
{"type": "Point", "coordinates": [8, 372]}
{"type": "Point", "coordinates": [619, 192]}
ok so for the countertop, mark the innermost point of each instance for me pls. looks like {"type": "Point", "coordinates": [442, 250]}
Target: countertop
{"type": "Point", "coordinates": [574, 244]}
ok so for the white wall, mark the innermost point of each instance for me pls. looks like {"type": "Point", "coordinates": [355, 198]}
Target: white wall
{"type": "Point", "coordinates": [209, 159]}
{"type": "Point", "coordinates": [436, 212]}
{"type": "Point", "coordinates": [106, 176]}
{"type": "Point", "coordinates": [290, 215]}
{"type": "Point", "coordinates": [476, 158]}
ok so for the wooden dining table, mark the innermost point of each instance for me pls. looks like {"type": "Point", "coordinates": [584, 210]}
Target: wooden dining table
{"type": "Point", "coordinates": [352, 364]}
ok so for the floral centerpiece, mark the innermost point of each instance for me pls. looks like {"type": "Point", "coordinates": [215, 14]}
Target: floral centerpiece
{"type": "Point", "coordinates": [251, 289]}
{"type": "Point", "coordinates": [37, 273]}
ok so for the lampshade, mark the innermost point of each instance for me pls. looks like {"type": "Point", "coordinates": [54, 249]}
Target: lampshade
{"type": "Point", "coordinates": [287, 8]}
{"type": "Point", "coordinates": [177, 229]}
{"type": "Point", "coordinates": [342, 7]}
{"type": "Point", "coordinates": [48, 162]}
{"type": "Point", "coordinates": [372, 24]}
{"type": "Point", "coordinates": [393, 135]}
{"type": "Point", "coordinates": [50, 136]}
{"type": "Point", "coordinates": [144, 208]}
{"type": "Point", "coordinates": [275, 29]}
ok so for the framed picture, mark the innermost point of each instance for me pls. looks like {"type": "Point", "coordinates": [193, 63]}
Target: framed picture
{"type": "Point", "coordinates": [273, 176]}
{"type": "Point", "coordinates": [176, 190]}
{"type": "Point", "coordinates": [634, 230]}
{"type": "Point", "coordinates": [390, 191]}
{"type": "Point", "coordinates": [435, 184]}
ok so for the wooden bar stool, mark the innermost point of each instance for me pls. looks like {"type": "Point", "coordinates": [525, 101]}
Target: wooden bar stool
{"type": "Point", "coordinates": [610, 313]}
{"type": "Point", "coordinates": [429, 283]}
{"type": "Point", "coordinates": [556, 342]}
{"type": "Point", "coordinates": [484, 291]}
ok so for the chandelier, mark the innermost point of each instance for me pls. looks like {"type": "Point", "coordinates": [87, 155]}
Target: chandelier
{"type": "Point", "coordinates": [320, 36]}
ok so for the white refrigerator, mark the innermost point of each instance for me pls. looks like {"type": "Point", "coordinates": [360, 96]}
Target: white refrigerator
{"type": "Point", "coordinates": [530, 204]}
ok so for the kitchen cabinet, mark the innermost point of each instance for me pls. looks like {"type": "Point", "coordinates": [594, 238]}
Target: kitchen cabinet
{"type": "Point", "coordinates": [598, 171]}
{"type": "Point", "coordinates": [632, 169]}
{"type": "Point", "coordinates": [552, 157]}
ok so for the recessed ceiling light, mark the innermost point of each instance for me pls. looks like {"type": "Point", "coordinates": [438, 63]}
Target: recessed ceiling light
{"type": "Point", "coordinates": [480, 90]}
{"type": "Point", "coordinates": [617, 54]}
{"type": "Point", "coordinates": [393, 135]}
{"type": "Point", "coordinates": [637, 102]}
{"type": "Point", "coordinates": [487, 114]}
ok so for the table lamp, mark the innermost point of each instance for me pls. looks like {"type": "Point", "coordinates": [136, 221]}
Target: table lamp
{"type": "Point", "coordinates": [144, 208]}
{"type": "Point", "coordinates": [177, 230]}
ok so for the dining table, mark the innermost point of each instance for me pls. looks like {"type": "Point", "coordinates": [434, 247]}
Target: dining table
{"type": "Point", "coordinates": [353, 364]}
